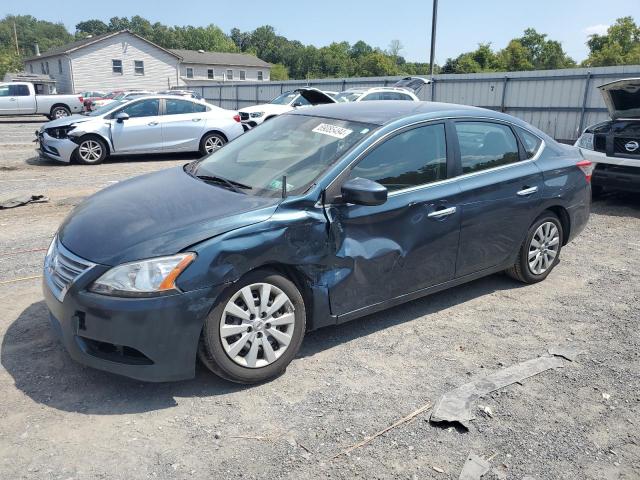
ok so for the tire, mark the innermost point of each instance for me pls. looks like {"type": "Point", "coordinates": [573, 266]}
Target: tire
{"type": "Point", "coordinates": [548, 252]}
{"type": "Point", "coordinates": [230, 355]}
{"type": "Point", "coordinates": [59, 111]}
{"type": "Point", "coordinates": [211, 142]}
{"type": "Point", "coordinates": [91, 150]}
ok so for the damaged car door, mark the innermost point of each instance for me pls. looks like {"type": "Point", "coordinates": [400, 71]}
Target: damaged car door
{"type": "Point", "coordinates": [410, 241]}
{"type": "Point", "coordinates": [136, 128]}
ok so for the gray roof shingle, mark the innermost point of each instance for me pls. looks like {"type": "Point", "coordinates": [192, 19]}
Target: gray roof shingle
{"type": "Point", "coordinates": [220, 58]}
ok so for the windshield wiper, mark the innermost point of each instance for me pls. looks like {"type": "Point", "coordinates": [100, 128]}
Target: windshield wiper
{"type": "Point", "coordinates": [235, 186]}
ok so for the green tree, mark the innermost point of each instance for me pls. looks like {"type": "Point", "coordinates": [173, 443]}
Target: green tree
{"type": "Point", "coordinates": [376, 64]}
{"type": "Point", "coordinates": [91, 27]}
{"type": "Point", "coordinates": [31, 31]}
{"type": "Point", "coordinates": [620, 45]}
{"type": "Point", "coordinates": [9, 62]}
{"type": "Point", "coordinates": [279, 72]}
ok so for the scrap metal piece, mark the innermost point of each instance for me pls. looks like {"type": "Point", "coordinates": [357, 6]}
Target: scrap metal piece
{"type": "Point", "coordinates": [456, 405]}
{"type": "Point", "coordinates": [474, 468]}
{"type": "Point", "coordinates": [568, 352]}
{"type": "Point", "coordinates": [21, 200]}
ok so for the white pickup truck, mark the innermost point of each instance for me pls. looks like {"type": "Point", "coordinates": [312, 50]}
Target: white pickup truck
{"type": "Point", "coordinates": [19, 98]}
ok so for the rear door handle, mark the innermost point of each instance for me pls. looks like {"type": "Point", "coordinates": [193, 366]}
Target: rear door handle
{"type": "Point", "coordinates": [527, 191]}
{"type": "Point", "coordinates": [152, 124]}
{"type": "Point", "coordinates": [445, 212]}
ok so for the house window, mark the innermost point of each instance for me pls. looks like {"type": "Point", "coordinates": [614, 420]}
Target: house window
{"type": "Point", "coordinates": [138, 66]}
{"type": "Point", "coordinates": [42, 68]}
{"type": "Point", "coordinates": [189, 72]}
{"type": "Point", "coordinates": [46, 65]}
{"type": "Point", "coordinates": [210, 74]}
{"type": "Point", "coordinates": [260, 76]}
{"type": "Point", "coordinates": [31, 67]}
{"type": "Point", "coordinates": [243, 75]}
{"type": "Point", "coordinates": [116, 66]}
{"type": "Point", "coordinates": [59, 65]}
{"type": "Point", "coordinates": [229, 74]}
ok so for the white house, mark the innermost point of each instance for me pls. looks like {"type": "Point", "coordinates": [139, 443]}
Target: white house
{"type": "Point", "coordinates": [123, 60]}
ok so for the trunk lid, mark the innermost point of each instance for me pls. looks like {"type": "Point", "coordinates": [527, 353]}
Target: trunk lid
{"type": "Point", "coordinates": [622, 98]}
{"type": "Point", "coordinates": [315, 96]}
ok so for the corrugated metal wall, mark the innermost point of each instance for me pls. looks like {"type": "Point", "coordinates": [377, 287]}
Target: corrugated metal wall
{"type": "Point", "coordinates": [559, 102]}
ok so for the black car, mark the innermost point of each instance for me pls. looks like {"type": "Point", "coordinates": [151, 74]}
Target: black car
{"type": "Point", "coordinates": [315, 218]}
{"type": "Point", "coordinates": [614, 146]}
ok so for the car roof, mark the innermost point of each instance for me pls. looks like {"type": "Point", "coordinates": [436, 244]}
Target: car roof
{"type": "Point", "coordinates": [384, 111]}
{"type": "Point", "coordinates": [380, 89]}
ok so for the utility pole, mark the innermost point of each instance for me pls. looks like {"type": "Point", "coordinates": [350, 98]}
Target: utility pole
{"type": "Point", "coordinates": [15, 37]}
{"type": "Point", "coordinates": [434, 18]}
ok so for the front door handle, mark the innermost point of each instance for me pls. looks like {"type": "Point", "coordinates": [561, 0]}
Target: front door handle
{"type": "Point", "coordinates": [12, 99]}
{"type": "Point", "coordinates": [196, 119]}
{"type": "Point", "coordinates": [152, 124]}
{"type": "Point", "coordinates": [527, 191]}
{"type": "Point", "coordinates": [444, 212]}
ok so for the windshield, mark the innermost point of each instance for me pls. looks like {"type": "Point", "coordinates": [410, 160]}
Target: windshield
{"type": "Point", "coordinates": [105, 108]}
{"type": "Point", "coordinates": [298, 146]}
{"type": "Point", "coordinates": [285, 99]}
{"type": "Point", "coordinates": [347, 96]}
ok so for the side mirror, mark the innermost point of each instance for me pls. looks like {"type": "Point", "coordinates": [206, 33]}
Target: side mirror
{"type": "Point", "coordinates": [297, 104]}
{"type": "Point", "coordinates": [121, 117]}
{"type": "Point", "coordinates": [361, 191]}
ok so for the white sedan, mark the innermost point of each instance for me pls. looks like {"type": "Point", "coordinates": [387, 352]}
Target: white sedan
{"type": "Point", "coordinates": [151, 124]}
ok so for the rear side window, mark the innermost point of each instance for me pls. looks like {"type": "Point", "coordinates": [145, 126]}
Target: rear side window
{"type": "Point", "coordinates": [373, 96]}
{"type": "Point", "coordinates": [177, 107]}
{"type": "Point", "coordinates": [412, 158]}
{"type": "Point", "coordinates": [143, 108]}
{"type": "Point", "coordinates": [530, 141]}
{"type": "Point", "coordinates": [485, 145]}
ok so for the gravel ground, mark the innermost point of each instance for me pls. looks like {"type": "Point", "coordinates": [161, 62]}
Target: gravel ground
{"type": "Point", "coordinates": [61, 420]}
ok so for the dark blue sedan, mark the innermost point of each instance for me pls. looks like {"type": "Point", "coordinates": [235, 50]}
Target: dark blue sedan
{"type": "Point", "coordinates": [315, 218]}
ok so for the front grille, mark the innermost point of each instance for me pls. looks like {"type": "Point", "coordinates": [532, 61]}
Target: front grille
{"type": "Point", "coordinates": [244, 116]}
{"type": "Point", "coordinates": [619, 145]}
{"type": "Point", "coordinates": [62, 268]}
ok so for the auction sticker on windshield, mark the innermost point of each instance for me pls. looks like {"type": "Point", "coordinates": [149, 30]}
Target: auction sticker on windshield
{"type": "Point", "coordinates": [332, 130]}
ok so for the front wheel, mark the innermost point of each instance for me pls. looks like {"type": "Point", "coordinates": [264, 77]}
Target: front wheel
{"type": "Point", "coordinates": [540, 251]}
{"type": "Point", "coordinates": [91, 151]}
{"type": "Point", "coordinates": [255, 330]}
{"type": "Point", "coordinates": [211, 142]}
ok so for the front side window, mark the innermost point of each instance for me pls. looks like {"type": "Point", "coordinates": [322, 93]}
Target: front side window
{"type": "Point", "coordinates": [138, 66]}
{"type": "Point", "coordinates": [260, 76]}
{"type": "Point", "coordinates": [143, 108]}
{"type": "Point", "coordinates": [4, 91]}
{"type": "Point", "coordinates": [298, 146]}
{"type": "Point", "coordinates": [210, 74]}
{"type": "Point", "coordinates": [373, 96]}
{"type": "Point", "coordinates": [243, 75]}
{"type": "Point", "coordinates": [485, 145]}
{"type": "Point", "coordinates": [19, 91]}
{"type": "Point", "coordinates": [530, 141]}
{"type": "Point", "coordinates": [189, 72]}
{"type": "Point", "coordinates": [229, 74]}
{"type": "Point", "coordinates": [116, 66]}
{"type": "Point", "coordinates": [411, 158]}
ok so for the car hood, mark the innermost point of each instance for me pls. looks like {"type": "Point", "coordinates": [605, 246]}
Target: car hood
{"type": "Point", "coordinates": [65, 121]}
{"type": "Point", "coordinates": [267, 107]}
{"type": "Point", "coordinates": [622, 98]}
{"type": "Point", "coordinates": [158, 214]}
{"type": "Point", "coordinates": [315, 96]}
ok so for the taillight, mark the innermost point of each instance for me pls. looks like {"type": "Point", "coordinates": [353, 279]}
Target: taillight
{"type": "Point", "coordinates": [587, 168]}
{"type": "Point", "coordinates": [236, 118]}
{"type": "Point", "coordinates": [81, 99]}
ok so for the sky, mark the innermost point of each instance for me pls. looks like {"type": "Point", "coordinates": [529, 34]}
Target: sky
{"type": "Point", "coordinates": [462, 24]}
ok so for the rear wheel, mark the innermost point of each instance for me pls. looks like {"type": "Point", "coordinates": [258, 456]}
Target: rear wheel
{"type": "Point", "coordinates": [59, 111]}
{"type": "Point", "coordinates": [211, 142]}
{"type": "Point", "coordinates": [255, 330]}
{"type": "Point", "coordinates": [91, 151]}
{"type": "Point", "coordinates": [540, 251]}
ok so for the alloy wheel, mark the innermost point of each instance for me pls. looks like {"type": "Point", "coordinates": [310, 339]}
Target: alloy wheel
{"type": "Point", "coordinates": [60, 113]}
{"type": "Point", "coordinates": [212, 144]}
{"type": "Point", "coordinates": [543, 248]}
{"type": "Point", "coordinates": [90, 151]}
{"type": "Point", "coordinates": [257, 325]}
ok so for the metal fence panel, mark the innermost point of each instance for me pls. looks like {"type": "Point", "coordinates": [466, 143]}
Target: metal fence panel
{"type": "Point", "coordinates": [558, 102]}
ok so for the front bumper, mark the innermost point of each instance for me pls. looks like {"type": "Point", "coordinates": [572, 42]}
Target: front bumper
{"type": "Point", "coordinates": [149, 339]}
{"type": "Point", "coordinates": [60, 149]}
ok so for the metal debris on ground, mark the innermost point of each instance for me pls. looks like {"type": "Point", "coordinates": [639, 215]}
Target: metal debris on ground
{"type": "Point", "coordinates": [456, 405]}
{"type": "Point", "coordinates": [13, 202]}
{"type": "Point", "coordinates": [403, 420]}
{"type": "Point", "coordinates": [474, 468]}
{"type": "Point", "coordinates": [568, 352]}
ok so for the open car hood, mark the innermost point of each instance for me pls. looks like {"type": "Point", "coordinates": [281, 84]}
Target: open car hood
{"type": "Point", "coordinates": [412, 83]}
{"type": "Point", "coordinates": [622, 98]}
{"type": "Point", "coordinates": [315, 96]}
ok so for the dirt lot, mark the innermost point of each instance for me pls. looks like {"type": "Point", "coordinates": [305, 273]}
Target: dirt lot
{"type": "Point", "coordinates": [60, 420]}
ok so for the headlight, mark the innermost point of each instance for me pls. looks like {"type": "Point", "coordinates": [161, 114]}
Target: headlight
{"type": "Point", "coordinates": [60, 132]}
{"type": "Point", "coordinates": [586, 141]}
{"type": "Point", "coordinates": [256, 114]}
{"type": "Point", "coordinates": [145, 278]}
